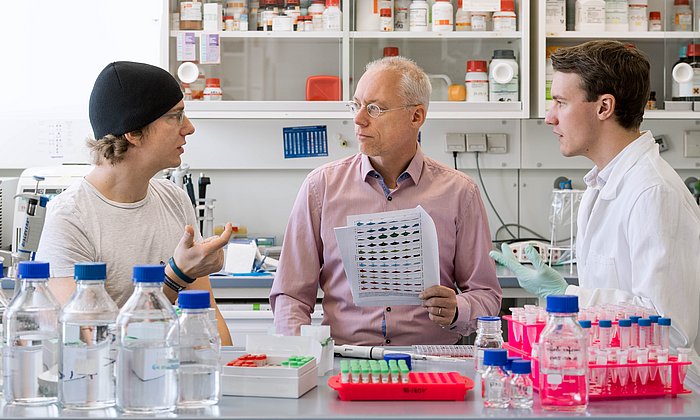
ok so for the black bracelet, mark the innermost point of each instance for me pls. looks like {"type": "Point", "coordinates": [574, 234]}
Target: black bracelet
{"type": "Point", "coordinates": [174, 286]}
{"type": "Point", "coordinates": [179, 272]}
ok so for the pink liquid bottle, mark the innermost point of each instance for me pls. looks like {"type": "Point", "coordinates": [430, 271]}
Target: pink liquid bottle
{"type": "Point", "coordinates": [563, 357]}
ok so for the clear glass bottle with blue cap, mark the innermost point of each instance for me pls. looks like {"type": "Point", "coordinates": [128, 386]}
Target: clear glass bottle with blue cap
{"type": "Point", "coordinates": [87, 349]}
{"type": "Point", "coordinates": [488, 336]}
{"type": "Point", "coordinates": [31, 337]}
{"type": "Point", "coordinates": [148, 340]}
{"type": "Point", "coordinates": [494, 379]}
{"type": "Point", "coordinates": [200, 351]}
{"type": "Point", "coordinates": [520, 384]}
{"type": "Point", "coordinates": [563, 357]}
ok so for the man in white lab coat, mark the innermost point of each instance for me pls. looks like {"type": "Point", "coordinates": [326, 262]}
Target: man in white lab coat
{"type": "Point", "coordinates": [638, 235]}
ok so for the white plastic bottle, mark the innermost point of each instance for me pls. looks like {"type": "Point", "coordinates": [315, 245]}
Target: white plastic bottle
{"type": "Point", "coordinates": [616, 15]}
{"type": "Point", "coordinates": [86, 338]}
{"type": "Point", "coordinates": [563, 357]}
{"type": "Point", "coordinates": [682, 15]}
{"type": "Point", "coordinates": [555, 16]}
{"type": "Point", "coordinates": [590, 16]}
{"type": "Point", "coordinates": [442, 16]}
{"type": "Point", "coordinates": [503, 77]}
{"type": "Point", "coordinates": [418, 16]}
{"type": "Point", "coordinates": [200, 352]}
{"type": "Point", "coordinates": [332, 16]}
{"type": "Point", "coordinates": [31, 336]}
{"type": "Point", "coordinates": [638, 16]}
{"type": "Point", "coordinates": [401, 15]}
{"type": "Point", "coordinates": [463, 19]}
{"type": "Point", "coordinates": [505, 20]}
{"type": "Point", "coordinates": [477, 82]}
{"type": "Point", "coordinates": [148, 341]}
{"type": "Point", "coordinates": [316, 10]}
{"type": "Point", "coordinates": [481, 21]}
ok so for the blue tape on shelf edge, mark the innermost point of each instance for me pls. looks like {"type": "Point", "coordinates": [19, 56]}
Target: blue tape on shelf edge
{"type": "Point", "coordinates": [305, 141]}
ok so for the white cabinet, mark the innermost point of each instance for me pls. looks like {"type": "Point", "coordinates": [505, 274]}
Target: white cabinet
{"type": "Point", "coordinates": [264, 74]}
{"type": "Point", "coordinates": [662, 47]}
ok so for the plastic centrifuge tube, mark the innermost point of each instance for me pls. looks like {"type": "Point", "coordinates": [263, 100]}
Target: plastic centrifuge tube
{"type": "Point", "coordinates": [604, 333]}
{"type": "Point", "coordinates": [364, 368]}
{"type": "Point", "coordinates": [586, 325]}
{"type": "Point", "coordinates": [634, 331]}
{"type": "Point", "coordinates": [384, 368]}
{"type": "Point", "coordinates": [644, 332]}
{"type": "Point", "coordinates": [403, 367]}
{"type": "Point", "coordinates": [683, 356]}
{"type": "Point", "coordinates": [664, 331]}
{"type": "Point", "coordinates": [344, 371]}
{"type": "Point", "coordinates": [642, 359]}
{"type": "Point", "coordinates": [623, 371]}
{"type": "Point", "coordinates": [394, 369]}
{"type": "Point", "coordinates": [653, 354]}
{"type": "Point", "coordinates": [654, 339]}
{"type": "Point", "coordinates": [663, 368]}
{"type": "Point", "coordinates": [518, 315]}
{"type": "Point", "coordinates": [376, 371]}
{"type": "Point", "coordinates": [624, 331]}
{"type": "Point", "coordinates": [355, 372]}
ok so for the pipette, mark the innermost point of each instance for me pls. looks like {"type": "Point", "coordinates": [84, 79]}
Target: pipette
{"type": "Point", "coordinates": [375, 352]}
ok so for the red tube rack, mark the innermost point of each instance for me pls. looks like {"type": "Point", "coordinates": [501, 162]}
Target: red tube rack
{"type": "Point", "coordinates": [425, 386]}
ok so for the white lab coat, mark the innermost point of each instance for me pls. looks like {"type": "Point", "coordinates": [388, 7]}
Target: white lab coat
{"type": "Point", "coordinates": [641, 243]}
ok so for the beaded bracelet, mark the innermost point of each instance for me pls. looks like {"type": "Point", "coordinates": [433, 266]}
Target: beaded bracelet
{"type": "Point", "coordinates": [179, 272]}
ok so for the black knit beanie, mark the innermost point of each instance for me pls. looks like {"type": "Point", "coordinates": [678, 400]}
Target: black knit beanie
{"type": "Point", "coordinates": [128, 96]}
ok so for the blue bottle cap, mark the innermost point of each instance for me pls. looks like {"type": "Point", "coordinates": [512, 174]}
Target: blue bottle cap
{"type": "Point", "coordinates": [562, 303]}
{"type": "Point", "coordinates": [193, 299]}
{"type": "Point", "coordinates": [149, 273]}
{"type": "Point", "coordinates": [33, 270]}
{"type": "Point", "coordinates": [585, 323]}
{"type": "Point", "coordinates": [605, 323]}
{"type": "Point", "coordinates": [90, 271]}
{"type": "Point", "coordinates": [521, 367]}
{"type": "Point", "coordinates": [634, 319]}
{"type": "Point", "coordinates": [665, 321]}
{"type": "Point", "coordinates": [495, 357]}
{"type": "Point", "coordinates": [654, 318]}
{"type": "Point", "coordinates": [398, 356]}
{"type": "Point", "coordinates": [489, 318]}
{"type": "Point", "coordinates": [625, 323]}
{"type": "Point", "coordinates": [644, 322]}
{"type": "Point", "coordinates": [510, 361]}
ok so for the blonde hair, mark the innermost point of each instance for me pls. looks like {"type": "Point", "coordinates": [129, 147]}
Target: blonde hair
{"type": "Point", "coordinates": [414, 84]}
{"type": "Point", "coordinates": [111, 149]}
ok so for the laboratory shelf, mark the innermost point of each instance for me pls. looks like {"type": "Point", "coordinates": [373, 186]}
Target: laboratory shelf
{"type": "Point", "coordinates": [435, 35]}
{"type": "Point", "coordinates": [337, 110]}
{"type": "Point", "coordinates": [655, 36]}
{"type": "Point", "coordinates": [676, 115]}
{"type": "Point", "coordinates": [268, 34]}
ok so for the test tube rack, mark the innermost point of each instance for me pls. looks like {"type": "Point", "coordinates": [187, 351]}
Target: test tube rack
{"type": "Point", "coordinates": [425, 386]}
{"type": "Point", "coordinates": [611, 380]}
{"type": "Point", "coordinates": [276, 377]}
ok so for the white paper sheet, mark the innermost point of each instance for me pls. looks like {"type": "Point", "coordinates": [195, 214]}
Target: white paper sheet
{"type": "Point", "coordinates": [389, 258]}
{"type": "Point", "coordinates": [240, 257]}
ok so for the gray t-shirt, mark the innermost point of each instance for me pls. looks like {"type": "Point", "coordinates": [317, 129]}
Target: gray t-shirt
{"type": "Point", "coordinates": [83, 225]}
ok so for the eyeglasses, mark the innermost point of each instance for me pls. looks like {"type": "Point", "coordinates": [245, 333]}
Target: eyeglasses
{"type": "Point", "coordinates": [374, 110]}
{"type": "Point", "coordinates": [178, 116]}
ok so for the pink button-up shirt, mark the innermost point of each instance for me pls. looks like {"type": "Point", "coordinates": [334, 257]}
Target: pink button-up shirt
{"type": "Point", "coordinates": [310, 256]}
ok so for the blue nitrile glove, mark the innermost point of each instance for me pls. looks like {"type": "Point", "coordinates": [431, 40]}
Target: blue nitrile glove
{"type": "Point", "coordinates": [541, 280]}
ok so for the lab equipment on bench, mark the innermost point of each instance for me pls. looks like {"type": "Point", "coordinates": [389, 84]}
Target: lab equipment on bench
{"type": "Point", "coordinates": [204, 207]}
{"type": "Point", "coordinates": [562, 216]}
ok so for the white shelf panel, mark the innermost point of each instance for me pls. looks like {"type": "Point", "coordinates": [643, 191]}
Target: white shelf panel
{"type": "Point", "coordinates": [435, 35]}
{"type": "Point", "coordinates": [575, 35]}
{"type": "Point", "coordinates": [671, 115]}
{"type": "Point", "coordinates": [337, 110]}
{"type": "Point", "coordinates": [269, 34]}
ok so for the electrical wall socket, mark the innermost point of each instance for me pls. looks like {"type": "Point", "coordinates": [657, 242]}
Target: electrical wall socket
{"type": "Point", "coordinates": [497, 142]}
{"type": "Point", "coordinates": [692, 144]}
{"type": "Point", "coordinates": [476, 142]}
{"type": "Point", "coordinates": [454, 142]}
{"type": "Point", "coordinates": [662, 142]}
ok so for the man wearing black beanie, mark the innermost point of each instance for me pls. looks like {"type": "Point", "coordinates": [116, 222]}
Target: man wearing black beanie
{"type": "Point", "coordinates": [119, 214]}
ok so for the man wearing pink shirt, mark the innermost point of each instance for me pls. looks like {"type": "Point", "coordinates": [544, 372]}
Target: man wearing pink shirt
{"type": "Point", "coordinates": [390, 173]}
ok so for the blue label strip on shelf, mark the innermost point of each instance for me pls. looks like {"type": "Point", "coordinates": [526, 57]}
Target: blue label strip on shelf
{"type": "Point", "coordinates": [308, 141]}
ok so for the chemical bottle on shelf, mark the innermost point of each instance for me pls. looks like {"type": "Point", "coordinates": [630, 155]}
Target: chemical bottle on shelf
{"type": "Point", "coordinates": [391, 52]}
{"type": "Point", "coordinates": [687, 75]}
{"type": "Point", "coordinates": [86, 340]}
{"type": "Point", "coordinates": [682, 15]}
{"type": "Point", "coordinates": [616, 15]}
{"type": "Point", "coordinates": [418, 16]}
{"type": "Point", "coordinates": [200, 350]}
{"type": "Point", "coordinates": [555, 16]}
{"type": "Point", "coordinates": [638, 16]}
{"type": "Point", "coordinates": [332, 17]}
{"type": "Point", "coordinates": [590, 16]}
{"type": "Point", "coordinates": [481, 21]}
{"type": "Point", "coordinates": [148, 341]}
{"type": "Point", "coordinates": [503, 77]}
{"type": "Point", "coordinates": [463, 19]}
{"type": "Point", "coordinates": [401, 15]}
{"type": "Point", "coordinates": [505, 20]}
{"type": "Point", "coordinates": [443, 20]}
{"type": "Point", "coordinates": [31, 335]}
{"type": "Point", "coordinates": [386, 19]}
{"type": "Point", "coordinates": [316, 10]}
{"type": "Point", "coordinates": [212, 91]}
{"type": "Point", "coordinates": [191, 16]}
{"type": "Point", "coordinates": [268, 12]}
{"type": "Point", "coordinates": [651, 103]}
{"type": "Point", "coordinates": [563, 354]}
{"type": "Point", "coordinates": [655, 23]}
{"type": "Point", "coordinates": [682, 58]}
{"type": "Point", "coordinates": [476, 81]}
{"type": "Point", "coordinates": [293, 10]}
{"type": "Point", "coordinates": [549, 75]}
{"type": "Point", "coordinates": [494, 379]}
